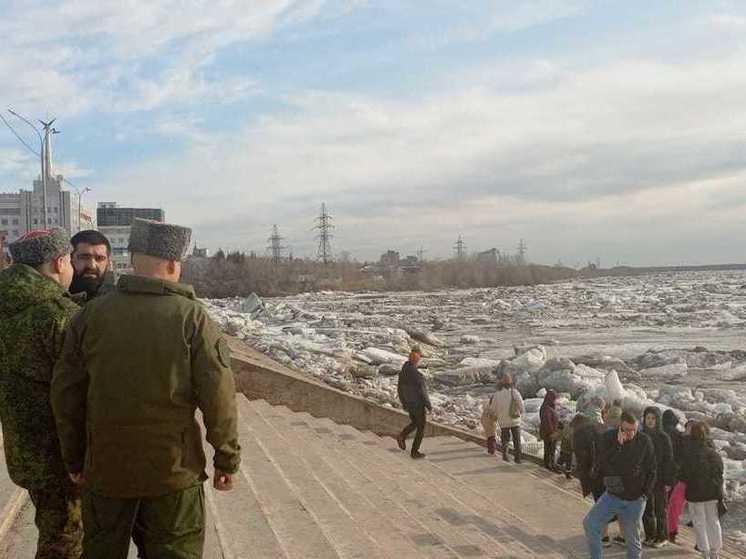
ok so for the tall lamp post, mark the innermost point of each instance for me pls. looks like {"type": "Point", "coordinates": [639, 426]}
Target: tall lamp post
{"type": "Point", "coordinates": [80, 203]}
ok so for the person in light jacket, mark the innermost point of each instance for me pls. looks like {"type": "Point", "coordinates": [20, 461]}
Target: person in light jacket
{"type": "Point", "coordinates": [507, 407]}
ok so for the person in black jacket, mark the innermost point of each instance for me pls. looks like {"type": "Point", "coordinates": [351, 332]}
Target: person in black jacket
{"type": "Point", "coordinates": [702, 470]}
{"type": "Point", "coordinates": [654, 519]}
{"type": "Point", "coordinates": [625, 461]}
{"type": "Point", "coordinates": [414, 398]}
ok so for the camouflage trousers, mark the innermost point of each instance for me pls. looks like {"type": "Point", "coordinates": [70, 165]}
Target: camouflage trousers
{"type": "Point", "coordinates": [58, 519]}
{"type": "Point", "coordinates": [167, 527]}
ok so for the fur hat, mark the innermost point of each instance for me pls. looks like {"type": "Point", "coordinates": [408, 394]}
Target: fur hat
{"type": "Point", "coordinates": [161, 240]}
{"type": "Point", "coordinates": [40, 246]}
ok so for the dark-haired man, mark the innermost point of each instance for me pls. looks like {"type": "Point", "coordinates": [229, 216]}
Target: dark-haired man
{"type": "Point", "coordinates": [91, 260]}
{"type": "Point", "coordinates": [626, 463]}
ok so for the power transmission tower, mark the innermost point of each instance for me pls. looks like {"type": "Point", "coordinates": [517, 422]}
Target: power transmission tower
{"type": "Point", "coordinates": [522, 249]}
{"type": "Point", "coordinates": [324, 227]}
{"type": "Point", "coordinates": [275, 245]}
{"type": "Point", "coordinates": [421, 254]}
{"type": "Point", "coordinates": [460, 248]}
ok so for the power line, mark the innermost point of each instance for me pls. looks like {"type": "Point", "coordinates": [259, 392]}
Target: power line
{"type": "Point", "coordinates": [18, 137]}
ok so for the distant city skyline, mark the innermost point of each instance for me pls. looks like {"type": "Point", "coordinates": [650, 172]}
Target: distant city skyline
{"type": "Point", "coordinates": [588, 128]}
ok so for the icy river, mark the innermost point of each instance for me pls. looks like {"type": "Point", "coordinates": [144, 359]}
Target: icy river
{"type": "Point", "coordinates": [675, 340]}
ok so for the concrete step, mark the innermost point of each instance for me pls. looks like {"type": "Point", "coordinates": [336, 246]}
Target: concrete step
{"type": "Point", "coordinates": [298, 532]}
{"type": "Point", "coordinates": [435, 508]}
{"type": "Point", "coordinates": [384, 539]}
{"type": "Point", "coordinates": [542, 514]}
{"type": "Point", "coordinates": [478, 529]}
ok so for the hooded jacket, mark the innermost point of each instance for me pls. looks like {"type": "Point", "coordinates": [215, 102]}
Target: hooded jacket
{"type": "Point", "coordinates": [666, 468]}
{"type": "Point", "coordinates": [702, 470]}
{"type": "Point", "coordinates": [34, 311]}
{"type": "Point", "coordinates": [548, 416]}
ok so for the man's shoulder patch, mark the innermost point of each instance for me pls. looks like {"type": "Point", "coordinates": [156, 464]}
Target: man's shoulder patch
{"type": "Point", "coordinates": [224, 352]}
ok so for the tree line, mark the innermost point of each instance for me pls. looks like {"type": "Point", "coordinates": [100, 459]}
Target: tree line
{"type": "Point", "coordinates": [237, 274]}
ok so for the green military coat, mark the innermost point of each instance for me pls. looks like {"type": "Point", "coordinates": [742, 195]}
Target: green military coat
{"type": "Point", "coordinates": [33, 313]}
{"type": "Point", "coordinates": [135, 366]}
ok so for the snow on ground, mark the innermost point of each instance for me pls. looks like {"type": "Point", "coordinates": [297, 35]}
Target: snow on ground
{"type": "Point", "coordinates": [674, 340]}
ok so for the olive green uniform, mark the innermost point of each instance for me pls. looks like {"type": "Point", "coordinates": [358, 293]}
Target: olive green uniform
{"type": "Point", "coordinates": [135, 365]}
{"type": "Point", "coordinates": [33, 313]}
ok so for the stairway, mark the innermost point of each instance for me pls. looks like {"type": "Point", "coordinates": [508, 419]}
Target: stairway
{"type": "Point", "coordinates": [312, 489]}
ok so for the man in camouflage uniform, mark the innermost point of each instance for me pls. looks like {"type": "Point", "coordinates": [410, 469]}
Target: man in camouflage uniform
{"type": "Point", "coordinates": [135, 366]}
{"type": "Point", "coordinates": [34, 309]}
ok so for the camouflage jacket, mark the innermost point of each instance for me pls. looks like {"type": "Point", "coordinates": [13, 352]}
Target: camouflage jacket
{"type": "Point", "coordinates": [33, 313]}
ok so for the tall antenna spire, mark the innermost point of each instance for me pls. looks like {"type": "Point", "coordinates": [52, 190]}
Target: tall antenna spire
{"type": "Point", "coordinates": [324, 227]}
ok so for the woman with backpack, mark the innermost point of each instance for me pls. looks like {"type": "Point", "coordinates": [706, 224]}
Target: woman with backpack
{"type": "Point", "coordinates": [506, 406]}
{"type": "Point", "coordinates": [702, 470]}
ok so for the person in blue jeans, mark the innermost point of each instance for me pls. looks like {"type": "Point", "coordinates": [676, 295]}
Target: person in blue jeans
{"type": "Point", "coordinates": [626, 462]}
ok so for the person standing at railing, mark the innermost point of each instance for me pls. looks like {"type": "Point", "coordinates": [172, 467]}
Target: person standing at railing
{"type": "Point", "coordinates": [135, 366]}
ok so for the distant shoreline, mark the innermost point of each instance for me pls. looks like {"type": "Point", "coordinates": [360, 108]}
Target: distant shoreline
{"type": "Point", "coordinates": [641, 270]}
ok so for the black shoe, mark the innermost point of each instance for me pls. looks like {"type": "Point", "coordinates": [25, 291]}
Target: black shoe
{"type": "Point", "coordinates": [416, 455]}
{"type": "Point", "coordinates": [619, 540]}
{"type": "Point", "coordinates": [660, 542]}
{"type": "Point", "coordinates": [606, 541]}
{"type": "Point", "coordinates": [401, 442]}
{"type": "Point", "coordinates": [506, 457]}
{"type": "Point", "coordinates": [518, 460]}
{"type": "Point", "coordinates": [672, 538]}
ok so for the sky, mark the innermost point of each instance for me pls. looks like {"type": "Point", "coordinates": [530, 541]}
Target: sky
{"type": "Point", "coordinates": [605, 129]}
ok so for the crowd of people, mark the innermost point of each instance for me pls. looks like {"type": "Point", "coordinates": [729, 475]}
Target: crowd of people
{"type": "Point", "coordinates": [99, 384]}
{"type": "Point", "coordinates": [641, 473]}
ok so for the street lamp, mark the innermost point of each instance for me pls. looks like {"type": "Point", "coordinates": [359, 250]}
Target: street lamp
{"type": "Point", "coordinates": [80, 203]}
{"type": "Point", "coordinates": [44, 170]}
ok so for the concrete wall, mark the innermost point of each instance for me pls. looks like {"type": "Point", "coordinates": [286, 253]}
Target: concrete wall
{"type": "Point", "coordinates": [258, 377]}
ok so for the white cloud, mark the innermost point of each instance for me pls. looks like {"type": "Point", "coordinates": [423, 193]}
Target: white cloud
{"type": "Point", "coordinates": [611, 144]}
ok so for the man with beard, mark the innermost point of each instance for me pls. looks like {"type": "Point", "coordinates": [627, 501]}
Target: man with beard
{"type": "Point", "coordinates": [91, 259]}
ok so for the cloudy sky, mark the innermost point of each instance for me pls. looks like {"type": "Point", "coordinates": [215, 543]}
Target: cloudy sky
{"type": "Point", "coordinates": [591, 129]}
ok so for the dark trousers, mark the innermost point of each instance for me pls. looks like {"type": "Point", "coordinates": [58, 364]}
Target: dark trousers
{"type": "Point", "coordinates": [654, 518]}
{"type": "Point", "coordinates": [550, 451]}
{"type": "Point", "coordinates": [58, 520]}
{"type": "Point", "coordinates": [505, 436]}
{"type": "Point", "coordinates": [417, 421]}
{"type": "Point", "coordinates": [168, 527]}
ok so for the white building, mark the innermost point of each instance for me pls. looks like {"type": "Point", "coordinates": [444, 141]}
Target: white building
{"type": "Point", "coordinates": [22, 211]}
